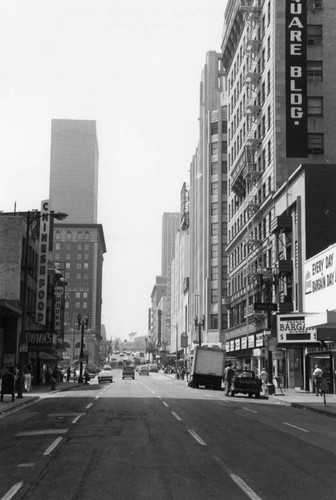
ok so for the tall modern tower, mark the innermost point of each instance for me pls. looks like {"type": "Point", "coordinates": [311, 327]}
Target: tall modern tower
{"type": "Point", "coordinates": [79, 243]}
{"type": "Point", "coordinates": [74, 170]}
{"type": "Point", "coordinates": [170, 225]}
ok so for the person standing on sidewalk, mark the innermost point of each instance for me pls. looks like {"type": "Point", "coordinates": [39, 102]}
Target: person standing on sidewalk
{"type": "Point", "coordinates": [318, 374]}
{"type": "Point", "coordinates": [228, 374]}
{"type": "Point", "coordinates": [263, 378]}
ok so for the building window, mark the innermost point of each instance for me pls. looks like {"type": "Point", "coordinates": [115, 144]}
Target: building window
{"type": "Point", "coordinates": [78, 266]}
{"type": "Point", "coordinates": [214, 128]}
{"type": "Point", "coordinates": [79, 256]}
{"type": "Point", "coordinates": [77, 295]}
{"type": "Point", "coordinates": [315, 144]}
{"type": "Point", "coordinates": [79, 246]}
{"type": "Point", "coordinates": [57, 246]}
{"type": "Point", "coordinates": [269, 152]}
{"type": "Point", "coordinates": [214, 229]}
{"type": "Point", "coordinates": [68, 235]}
{"type": "Point", "coordinates": [315, 106]}
{"type": "Point", "coordinates": [85, 295]}
{"type": "Point", "coordinates": [87, 235]}
{"type": "Point", "coordinates": [86, 256]}
{"type": "Point", "coordinates": [213, 321]}
{"type": "Point", "coordinates": [214, 188]}
{"type": "Point", "coordinates": [85, 305]}
{"type": "Point", "coordinates": [67, 265]}
{"type": "Point", "coordinates": [214, 148]}
{"type": "Point", "coordinates": [214, 251]}
{"type": "Point", "coordinates": [78, 305]}
{"type": "Point", "coordinates": [314, 71]}
{"type": "Point", "coordinates": [79, 235]}
{"type": "Point", "coordinates": [57, 235]}
{"type": "Point", "coordinates": [214, 208]}
{"type": "Point", "coordinates": [314, 34]}
{"type": "Point", "coordinates": [214, 168]}
{"type": "Point", "coordinates": [268, 48]}
{"type": "Point", "coordinates": [214, 272]}
{"type": "Point", "coordinates": [68, 256]}
{"type": "Point", "coordinates": [86, 265]}
{"type": "Point", "coordinates": [214, 296]}
{"type": "Point", "coordinates": [78, 276]}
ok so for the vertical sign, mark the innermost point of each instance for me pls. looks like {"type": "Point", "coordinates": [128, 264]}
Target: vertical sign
{"type": "Point", "coordinates": [58, 299]}
{"type": "Point", "coordinates": [296, 78]}
{"type": "Point", "coordinates": [42, 281]}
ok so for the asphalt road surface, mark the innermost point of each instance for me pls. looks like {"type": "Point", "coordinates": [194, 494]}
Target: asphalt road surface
{"type": "Point", "coordinates": [156, 438]}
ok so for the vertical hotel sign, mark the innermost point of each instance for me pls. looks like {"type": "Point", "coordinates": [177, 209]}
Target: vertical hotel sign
{"type": "Point", "coordinates": [42, 280]}
{"type": "Point", "coordinates": [296, 78]}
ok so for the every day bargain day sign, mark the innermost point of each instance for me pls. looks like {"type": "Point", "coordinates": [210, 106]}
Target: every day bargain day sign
{"type": "Point", "coordinates": [319, 281]}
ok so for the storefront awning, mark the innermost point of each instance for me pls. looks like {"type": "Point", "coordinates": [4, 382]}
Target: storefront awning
{"type": "Point", "coordinates": [45, 355]}
{"type": "Point", "coordinates": [325, 319]}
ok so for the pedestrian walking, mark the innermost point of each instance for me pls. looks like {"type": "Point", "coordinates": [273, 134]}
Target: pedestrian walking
{"type": "Point", "coordinates": [68, 374]}
{"type": "Point", "coordinates": [228, 374]}
{"type": "Point", "coordinates": [318, 374]}
{"type": "Point", "coordinates": [263, 378]}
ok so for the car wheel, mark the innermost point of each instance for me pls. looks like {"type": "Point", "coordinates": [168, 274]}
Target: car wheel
{"type": "Point", "coordinates": [250, 394]}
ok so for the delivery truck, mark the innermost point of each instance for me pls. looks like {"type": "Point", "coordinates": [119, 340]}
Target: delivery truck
{"type": "Point", "coordinates": [207, 368]}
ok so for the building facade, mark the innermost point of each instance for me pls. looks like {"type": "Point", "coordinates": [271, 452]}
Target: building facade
{"type": "Point", "coordinates": [74, 170]}
{"type": "Point", "coordinates": [278, 57]}
{"type": "Point", "coordinates": [208, 211]}
{"type": "Point", "coordinates": [79, 244]}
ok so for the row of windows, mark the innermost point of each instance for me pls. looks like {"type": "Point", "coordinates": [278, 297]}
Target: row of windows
{"type": "Point", "coordinates": [74, 235]}
{"type": "Point", "coordinates": [69, 246]}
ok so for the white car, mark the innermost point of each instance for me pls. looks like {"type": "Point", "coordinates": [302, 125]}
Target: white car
{"type": "Point", "coordinates": [105, 375]}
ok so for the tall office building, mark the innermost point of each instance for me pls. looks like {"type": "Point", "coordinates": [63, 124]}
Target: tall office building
{"type": "Point", "coordinates": [79, 243]}
{"type": "Point", "coordinates": [208, 207]}
{"type": "Point", "coordinates": [74, 170]}
{"type": "Point", "coordinates": [280, 65]}
{"type": "Point", "coordinates": [170, 225]}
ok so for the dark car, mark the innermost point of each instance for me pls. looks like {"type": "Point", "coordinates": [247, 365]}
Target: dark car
{"type": "Point", "coordinates": [128, 372]}
{"type": "Point", "coordinates": [245, 382]}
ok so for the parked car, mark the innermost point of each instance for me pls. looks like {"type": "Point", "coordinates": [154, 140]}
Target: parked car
{"type": "Point", "coordinates": [128, 372]}
{"type": "Point", "coordinates": [144, 370]}
{"type": "Point", "coordinates": [245, 382]}
{"type": "Point", "coordinates": [153, 367]}
{"type": "Point", "coordinates": [105, 375]}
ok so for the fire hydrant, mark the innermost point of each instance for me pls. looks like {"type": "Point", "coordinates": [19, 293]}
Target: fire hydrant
{"type": "Point", "coordinates": [53, 384]}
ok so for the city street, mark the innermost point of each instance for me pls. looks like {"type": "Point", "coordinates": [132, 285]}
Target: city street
{"type": "Point", "coordinates": [154, 437]}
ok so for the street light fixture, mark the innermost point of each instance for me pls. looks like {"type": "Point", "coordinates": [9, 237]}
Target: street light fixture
{"type": "Point", "coordinates": [30, 219]}
{"type": "Point", "coordinates": [199, 325]}
{"type": "Point", "coordinates": [82, 323]}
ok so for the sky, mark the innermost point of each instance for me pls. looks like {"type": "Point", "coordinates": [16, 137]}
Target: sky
{"type": "Point", "coordinates": [134, 67]}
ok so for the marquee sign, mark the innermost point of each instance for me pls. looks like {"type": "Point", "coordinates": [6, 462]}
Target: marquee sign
{"type": "Point", "coordinates": [296, 78]}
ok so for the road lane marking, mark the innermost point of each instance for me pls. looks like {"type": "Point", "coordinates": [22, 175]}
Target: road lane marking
{"type": "Point", "coordinates": [248, 409]}
{"type": "Point", "coordinates": [14, 489]}
{"type": "Point", "coordinates": [63, 414]}
{"type": "Point", "coordinates": [77, 418]}
{"type": "Point", "coordinates": [176, 416]}
{"type": "Point", "coordinates": [41, 433]}
{"type": "Point", "coordinates": [53, 446]}
{"type": "Point", "coordinates": [88, 406]}
{"type": "Point", "coordinates": [166, 404]}
{"type": "Point", "coordinates": [295, 427]}
{"type": "Point", "coordinates": [29, 464]}
{"type": "Point", "coordinates": [159, 397]}
{"type": "Point", "coordinates": [196, 436]}
{"type": "Point", "coordinates": [243, 486]}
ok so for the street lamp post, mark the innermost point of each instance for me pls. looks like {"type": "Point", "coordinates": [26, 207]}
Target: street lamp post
{"type": "Point", "coordinates": [199, 325]}
{"type": "Point", "coordinates": [82, 324]}
{"type": "Point", "coordinates": [29, 221]}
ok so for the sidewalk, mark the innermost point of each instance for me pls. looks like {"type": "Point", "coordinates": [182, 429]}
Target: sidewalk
{"type": "Point", "coordinates": [37, 392]}
{"type": "Point", "coordinates": [306, 400]}
{"type": "Point", "coordinates": [297, 399]}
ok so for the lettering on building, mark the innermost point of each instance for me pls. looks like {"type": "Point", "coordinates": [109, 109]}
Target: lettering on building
{"type": "Point", "coordinates": [296, 78]}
